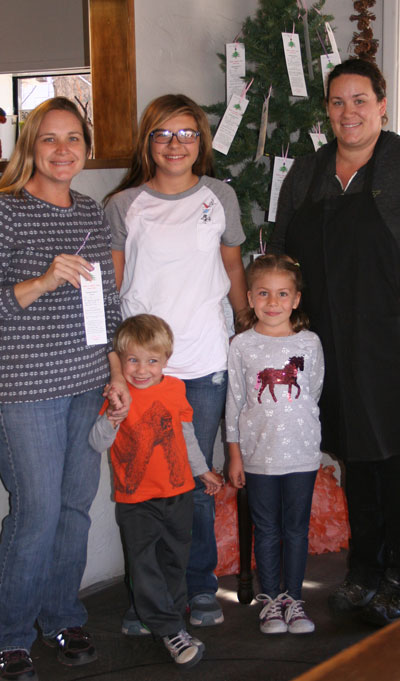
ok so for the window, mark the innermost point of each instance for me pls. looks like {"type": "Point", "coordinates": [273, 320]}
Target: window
{"type": "Point", "coordinates": [112, 65]}
{"type": "Point", "coordinates": [32, 90]}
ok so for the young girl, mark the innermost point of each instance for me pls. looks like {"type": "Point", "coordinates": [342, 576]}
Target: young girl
{"type": "Point", "coordinates": [276, 370]}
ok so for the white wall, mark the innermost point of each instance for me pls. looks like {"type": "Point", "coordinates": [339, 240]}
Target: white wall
{"type": "Point", "coordinates": [176, 46]}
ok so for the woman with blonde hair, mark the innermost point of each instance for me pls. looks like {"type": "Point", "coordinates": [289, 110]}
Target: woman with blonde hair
{"type": "Point", "coordinates": [176, 249]}
{"type": "Point", "coordinates": [51, 386]}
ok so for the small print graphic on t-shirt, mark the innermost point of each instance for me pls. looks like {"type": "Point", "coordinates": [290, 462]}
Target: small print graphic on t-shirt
{"type": "Point", "coordinates": [286, 376]}
{"type": "Point", "coordinates": [207, 207]}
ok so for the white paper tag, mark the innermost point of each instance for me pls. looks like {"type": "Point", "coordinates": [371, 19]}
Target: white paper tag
{"type": "Point", "coordinates": [235, 68]}
{"type": "Point", "coordinates": [263, 130]}
{"type": "Point", "coordinates": [332, 40]}
{"type": "Point", "coordinates": [229, 124]}
{"type": "Point", "coordinates": [318, 139]}
{"type": "Point", "coordinates": [291, 46]}
{"type": "Point", "coordinates": [281, 168]}
{"type": "Point", "coordinates": [93, 307]}
{"type": "Point", "coordinates": [328, 63]}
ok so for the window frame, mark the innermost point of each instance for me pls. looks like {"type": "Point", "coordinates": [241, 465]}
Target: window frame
{"type": "Point", "coordinates": [390, 61]}
{"type": "Point", "coordinates": [113, 69]}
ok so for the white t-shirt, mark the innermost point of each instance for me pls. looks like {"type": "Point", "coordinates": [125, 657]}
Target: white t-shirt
{"type": "Point", "coordinates": [173, 266]}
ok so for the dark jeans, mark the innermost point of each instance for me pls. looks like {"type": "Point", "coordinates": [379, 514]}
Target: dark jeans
{"type": "Point", "coordinates": [157, 535]}
{"type": "Point", "coordinates": [280, 507]}
{"type": "Point", "coordinates": [373, 497]}
{"type": "Point", "coordinates": [206, 396]}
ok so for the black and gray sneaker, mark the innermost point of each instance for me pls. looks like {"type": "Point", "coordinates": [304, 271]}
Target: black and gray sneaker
{"type": "Point", "coordinates": [75, 646]}
{"type": "Point", "coordinates": [17, 665]}
{"type": "Point", "coordinates": [184, 649]}
{"type": "Point", "coordinates": [350, 596]}
{"type": "Point", "coordinates": [384, 607]}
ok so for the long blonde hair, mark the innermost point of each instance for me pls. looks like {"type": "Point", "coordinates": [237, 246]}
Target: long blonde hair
{"type": "Point", "coordinates": [21, 166]}
{"type": "Point", "coordinates": [156, 113]}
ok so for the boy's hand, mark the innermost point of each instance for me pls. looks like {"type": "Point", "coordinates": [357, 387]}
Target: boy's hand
{"type": "Point", "coordinates": [115, 405]}
{"type": "Point", "coordinates": [212, 481]}
{"type": "Point", "coordinates": [114, 399]}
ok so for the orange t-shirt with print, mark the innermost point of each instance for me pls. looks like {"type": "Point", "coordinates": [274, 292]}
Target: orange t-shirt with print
{"type": "Point", "coordinates": [149, 455]}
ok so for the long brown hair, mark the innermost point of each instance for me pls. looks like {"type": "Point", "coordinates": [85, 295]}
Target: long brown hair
{"type": "Point", "coordinates": [156, 113]}
{"type": "Point", "coordinates": [21, 166]}
{"type": "Point", "coordinates": [246, 318]}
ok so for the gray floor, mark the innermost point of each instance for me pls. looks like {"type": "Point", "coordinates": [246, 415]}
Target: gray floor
{"type": "Point", "coordinates": [235, 651]}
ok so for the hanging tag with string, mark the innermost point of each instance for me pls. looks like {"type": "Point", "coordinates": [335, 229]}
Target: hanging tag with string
{"type": "Point", "coordinates": [301, 4]}
{"type": "Point", "coordinates": [294, 65]}
{"type": "Point", "coordinates": [318, 137]}
{"type": "Point", "coordinates": [328, 63]}
{"type": "Point", "coordinates": [282, 165]}
{"type": "Point", "coordinates": [331, 38]}
{"type": "Point", "coordinates": [231, 120]}
{"type": "Point", "coordinates": [235, 68]}
{"type": "Point", "coordinates": [263, 126]}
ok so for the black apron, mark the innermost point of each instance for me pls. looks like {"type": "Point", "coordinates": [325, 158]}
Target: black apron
{"type": "Point", "coordinates": [351, 266]}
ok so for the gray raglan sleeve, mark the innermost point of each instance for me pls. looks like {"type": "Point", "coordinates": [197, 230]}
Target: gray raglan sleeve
{"type": "Point", "coordinates": [233, 234]}
{"type": "Point", "coordinates": [116, 209]}
{"type": "Point", "coordinates": [102, 435]}
{"type": "Point", "coordinates": [195, 455]}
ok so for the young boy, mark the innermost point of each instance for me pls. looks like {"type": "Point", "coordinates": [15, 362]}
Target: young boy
{"type": "Point", "coordinates": [155, 454]}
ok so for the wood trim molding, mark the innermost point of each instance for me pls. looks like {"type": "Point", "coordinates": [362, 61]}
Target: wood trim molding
{"type": "Point", "coordinates": [113, 67]}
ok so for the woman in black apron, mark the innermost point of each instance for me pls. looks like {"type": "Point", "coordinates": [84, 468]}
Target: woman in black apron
{"type": "Point", "coordinates": [339, 216]}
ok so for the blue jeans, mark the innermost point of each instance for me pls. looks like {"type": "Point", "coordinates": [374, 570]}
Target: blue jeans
{"type": "Point", "coordinates": [280, 507]}
{"type": "Point", "coordinates": [52, 475]}
{"type": "Point", "coordinates": [207, 398]}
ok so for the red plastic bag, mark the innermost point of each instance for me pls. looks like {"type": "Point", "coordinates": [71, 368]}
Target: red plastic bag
{"type": "Point", "coordinates": [329, 525]}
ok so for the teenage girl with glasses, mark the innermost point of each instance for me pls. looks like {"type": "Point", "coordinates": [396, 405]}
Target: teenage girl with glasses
{"type": "Point", "coordinates": [176, 249]}
{"type": "Point", "coordinates": [276, 370]}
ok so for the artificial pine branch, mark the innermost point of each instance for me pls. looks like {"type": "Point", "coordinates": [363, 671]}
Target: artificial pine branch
{"type": "Point", "coordinates": [290, 118]}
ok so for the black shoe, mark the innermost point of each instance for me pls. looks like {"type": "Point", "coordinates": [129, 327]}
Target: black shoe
{"type": "Point", "coordinates": [16, 665]}
{"type": "Point", "coordinates": [384, 607]}
{"type": "Point", "coordinates": [350, 596]}
{"type": "Point", "coordinates": [74, 645]}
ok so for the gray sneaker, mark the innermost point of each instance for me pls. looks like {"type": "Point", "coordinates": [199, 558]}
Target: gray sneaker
{"type": "Point", "coordinates": [132, 626]}
{"type": "Point", "coordinates": [184, 649]}
{"type": "Point", "coordinates": [205, 611]}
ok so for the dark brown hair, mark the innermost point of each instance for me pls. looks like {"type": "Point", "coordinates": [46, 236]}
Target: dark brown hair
{"type": "Point", "coordinates": [360, 67]}
{"type": "Point", "coordinates": [246, 319]}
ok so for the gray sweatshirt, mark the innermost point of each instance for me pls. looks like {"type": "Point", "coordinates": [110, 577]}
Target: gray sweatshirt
{"type": "Point", "coordinates": [278, 432]}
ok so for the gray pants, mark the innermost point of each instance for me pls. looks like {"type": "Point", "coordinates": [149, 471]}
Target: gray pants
{"type": "Point", "coordinates": [157, 537]}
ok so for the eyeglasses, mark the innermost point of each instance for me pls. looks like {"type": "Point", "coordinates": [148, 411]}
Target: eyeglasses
{"type": "Point", "coordinates": [186, 136]}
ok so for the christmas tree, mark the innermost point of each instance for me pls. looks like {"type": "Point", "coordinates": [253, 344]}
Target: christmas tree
{"type": "Point", "coordinates": [290, 119]}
